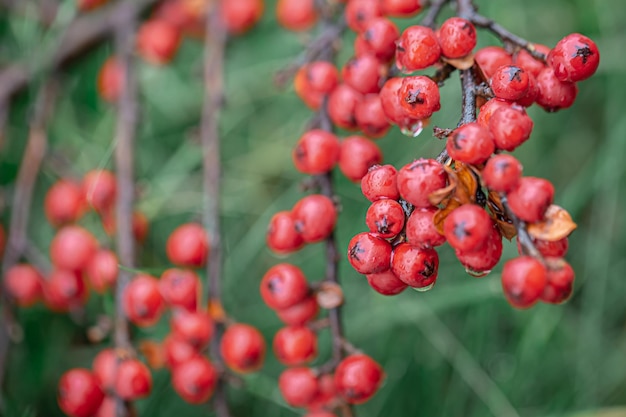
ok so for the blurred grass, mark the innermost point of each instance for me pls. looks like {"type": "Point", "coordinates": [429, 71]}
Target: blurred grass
{"type": "Point", "coordinates": [458, 350]}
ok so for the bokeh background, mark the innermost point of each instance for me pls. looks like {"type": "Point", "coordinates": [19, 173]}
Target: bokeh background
{"type": "Point", "coordinates": [457, 350]}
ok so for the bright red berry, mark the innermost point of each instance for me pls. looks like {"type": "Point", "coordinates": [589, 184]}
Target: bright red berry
{"type": "Point", "coordinates": [457, 37]}
{"type": "Point", "coordinates": [523, 281]}
{"type": "Point", "coordinates": [134, 380]}
{"type": "Point", "coordinates": [326, 395]}
{"type": "Point", "coordinates": [342, 104]}
{"type": "Point", "coordinates": [560, 281]}
{"type": "Point", "coordinates": [489, 108]}
{"type": "Point", "coordinates": [195, 380]}
{"type": "Point", "coordinates": [296, 15]}
{"type": "Point", "coordinates": [553, 94]}
{"type": "Point", "coordinates": [416, 267]}
{"type": "Point", "coordinates": [72, 248]}
{"type": "Point", "coordinates": [105, 368]}
{"type": "Point", "coordinates": [483, 260]}
{"type": "Point", "coordinates": [316, 152]}
{"type": "Point", "coordinates": [196, 328]}
{"type": "Point", "coordinates": [369, 254]}
{"type": "Point", "coordinates": [241, 15]}
{"type": "Point", "coordinates": [470, 144]}
{"type": "Point", "coordinates": [370, 116]}
{"type": "Point", "coordinates": [102, 270]}
{"type": "Point", "coordinates": [380, 182]}
{"type": "Point", "coordinates": [509, 83]}
{"type": "Point", "coordinates": [64, 290]}
{"type": "Point", "coordinates": [386, 283]}
{"type": "Point", "coordinates": [22, 282]}
{"type": "Point", "coordinates": [295, 345]}
{"type": "Point", "coordinates": [379, 38]}
{"type": "Point", "coordinates": [357, 378]}
{"type": "Point", "coordinates": [402, 8]}
{"type": "Point", "coordinates": [179, 288]}
{"type": "Point", "coordinates": [530, 198]}
{"type": "Point", "coordinates": [419, 96]}
{"type": "Point", "coordinates": [360, 12]}
{"type": "Point", "coordinates": [421, 231]}
{"type": "Point", "coordinates": [243, 348]}
{"type": "Point", "coordinates": [363, 73]}
{"type": "Point", "coordinates": [418, 179]}
{"type": "Point", "coordinates": [157, 42]}
{"type": "Point", "coordinates": [64, 203]}
{"type": "Point", "coordinates": [524, 59]}
{"type": "Point", "coordinates": [467, 228]}
{"type": "Point", "coordinates": [574, 58]}
{"type": "Point", "coordinates": [111, 80]}
{"type": "Point", "coordinates": [357, 155]}
{"type": "Point", "coordinates": [511, 127]}
{"type": "Point", "coordinates": [549, 249]}
{"type": "Point", "coordinates": [385, 218]}
{"type": "Point", "coordinates": [391, 103]}
{"type": "Point", "coordinates": [299, 386]}
{"type": "Point", "coordinates": [314, 81]}
{"type": "Point", "coordinates": [283, 286]}
{"type": "Point", "coordinates": [502, 172]}
{"type": "Point", "coordinates": [300, 313]}
{"type": "Point", "coordinates": [142, 300]}
{"type": "Point", "coordinates": [315, 216]}
{"type": "Point", "coordinates": [188, 245]}
{"type": "Point", "coordinates": [282, 236]}
{"type": "Point", "coordinates": [100, 189]}
{"type": "Point", "coordinates": [79, 393]}
{"type": "Point", "coordinates": [417, 49]}
{"type": "Point", "coordinates": [491, 58]}
{"type": "Point", "coordinates": [177, 351]}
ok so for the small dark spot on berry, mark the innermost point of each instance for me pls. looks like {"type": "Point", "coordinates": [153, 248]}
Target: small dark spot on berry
{"type": "Point", "coordinates": [300, 152]}
{"type": "Point", "coordinates": [400, 48]}
{"type": "Point", "coordinates": [584, 52]}
{"type": "Point", "coordinates": [356, 250]}
{"type": "Point", "coordinates": [459, 137]}
{"type": "Point", "coordinates": [515, 74]}
{"type": "Point", "coordinates": [414, 97]}
{"type": "Point", "coordinates": [367, 35]}
{"type": "Point", "coordinates": [460, 231]}
{"type": "Point", "coordinates": [360, 16]}
{"type": "Point", "coordinates": [383, 226]}
{"type": "Point", "coordinates": [429, 269]}
{"type": "Point", "coordinates": [502, 165]}
{"type": "Point", "coordinates": [273, 284]}
{"type": "Point", "coordinates": [418, 164]}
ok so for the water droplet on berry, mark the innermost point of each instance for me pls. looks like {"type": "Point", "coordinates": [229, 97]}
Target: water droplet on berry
{"type": "Point", "coordinates": [413, 130]}
{"type": "Point", "coordinates": [424, 289]}
{"type": "Point", "coordinates": [477, 274]}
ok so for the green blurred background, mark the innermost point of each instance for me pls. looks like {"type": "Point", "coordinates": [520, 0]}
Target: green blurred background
{"type": "Point", "coordinates": [458, 350]}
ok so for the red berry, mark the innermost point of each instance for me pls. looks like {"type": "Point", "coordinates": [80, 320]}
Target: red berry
{"type": "Point", "coordinates": [523, 281]}
{"type": "Point", "coordinates": [111, 80]}
{"type": "Point", "coordinates": [470, 144]}
{"type": "Point", "coordinates": [140, 226]}
{"type": "Point", "coordinates": [320, 413]}
{"type": "Point", "coordinates": [326, 396]}
{"type": "Point", "coordinates": [157, 42]}
{"type": "Point", "coordinates": [296, 15]}
{"type": "Point", "coordinates": [64, 290]}
{"type": "Point", "coordinates": [418, 179]}
{"type": "Point", "coordinates": [417, 49]}
{"type": "Point", "coordinates": [402, 8]}
{"type": "Point", "coordinates": [195, 380]}
{"type": "Point", "coordinates": [357, 155]}
{"type": "Point", "coordinates": [72, 248]}
{"type": "Point", "coordinates": [419, 96]}
{"type": "Point", "coordinates": [79, 393]}
{"type": "Point", "coordinates": [421, 231]}
{"type": "Point", "coordinates": [360, 12]}
{"type": "Point", "coordinates": [142, 300]}
{"type": "Point", "coordinates": [379, 38]}
{"type": "Point", "coordinates": [100, 189]}
{"type": "Point", "coordinates": [511, 127]}
{"type": "Point", "coordinates": [299, 386]}
{"type": "Point", "coordinates": [467, 228]}
{"type": "Point", "coordinates": [386, 283]}
{"type": "Point", "coordinates": [532, 93]}
{"type": "Point", "coordinates": [560, 281]}
{"type": "Point", "coordinates": [102, 270]}
{"type": "Point", "coordinates": [134, 380]}
{"type": "Point", "coordinates": [295, 345]}
{"type": "Point", "coordinates": [314, 81]}
{"type": "Point", "coordinates": [108, 408]}
{"type": "Point", "coordinates": [482, 261]}
{"type": "Point", "coordinates": [489, 108]}
{"type": "Point", "coordinates": [416, 267]}
{"type": "Point", "coordinates": [342, 104]}
{"type": "Point", "coordinates": [549, 249]}
{"type": "Point", "coordinates": [380, 182]}
{"type": "Point", "coordinates": [315, 216]}
{"type": "Point", "coordinates": [243, 348]}
{"type": "Point", "coordinates": [357, 378]}
{"type": "Point", "coordinates": [179, 288]}
{"type": "Point", "coordinates": [188, 245]}
{"type": "Point", "coordinates": [369, 254]}
{"type": "Point", "coordinates": [391, 103]}
{"type": "Point", "coordinates": [502, 172]}
{"type": "Point", "coordinates": [385, 218]}
{"type": "Point", "coordinates": [185, 15]}
{"type": "Point", "coordinates": [105, 368]}
{"type": "Point", "coordinates": [64, 203]}
{"type": "Point", "coordinates": [316, 152]}
{"type": "Point", "coordinates": [574, 58]}
{"type": "Point", "coordinates": [530, 198]}
{"type": "Point", "coordinates": [301, 313]}
{"type": "Point", "coordinates": [283, 286]}
{"type": "Point", "coordinates": [363, 73]}
{"type": "Point", "coordinates": [509, 83]}
{"type": "Point", "coordinates": [196, 328]}
{"type": "Point", "coordinates": [457, 37]}
{"type": "Point", "coordinates": [282, 236]}
{"type": "Point", "coordinates": [241, 15]}
{"type": "Point", "coordinates": [22, 282]}
{"type": "Point", "coordinates": [491, 58]}
{"type": "Point", "coordinates": [554, 94]}
{"type": "Point", "coordinates": [177, 351]}
{"type": "Point", "coordinates": [524, 59]}
{"type": "Point", "coordinates": [370, 116]}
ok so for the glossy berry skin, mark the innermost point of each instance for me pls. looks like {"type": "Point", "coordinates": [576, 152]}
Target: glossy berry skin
{"type": "Point", "coordinates": [177, 351]}
{"type": "Point", "coordinates": [157, 42]}
{"type": "Point", "coordinates": [483, 260]}
{"type": "Point", "coordinates": [315, 216]}
{"type": "Point", "coordinates": [134, 380]}
{"type": "Point", "coordinates": [550, 249]}
{"type": "Point", "coordinates": [511, 127]}
{"type": "Point", "coordinates": [369, 254]}
{"type": "Point", "coordinates": [489, 108]}
{"type": "Point", "coordinates": [502, 172]}
{"type": "Point", "coordinates": [314, 81]}
{"type": "Point", "coordinates": [316, 152]}
{"type": "Point", "coordinates": [326, 395]}
{"type": "Point", "coordinates": [64, 203]}
{"type": "Point", "coordinates": [554, 94]}
{"type": "Point", "coordinates": [142, 300]}
{"type": "Point", "coordinates": [100, 190]}
{"type": "Point", "coordinates": [111, 80]}
{"type": "Point", "coordinates": [379, 38]}
{"type": "Point", "coordinates": [574, 58]}
{"type": "Point", "coordinates": [243, 348]}
{"type": "Point", "coordinates": [296, 15]}
{"type": "Point", "coordinates": [467, 228]}
{"type": "Point", "coordinates": [418, 179]}
{"type": "Point", "coordinates": [416, 267]}
{"type": "Point", "coordinates": [509, 83]}
{"type": "Point", "coordinates": [360, 12]}
{"type": "Point", "coordinates": [240, 16]}
{"type": "Point", "coordinates": [195, 380]}
{"type": "Point", "coordinates": [72, 248]}
{"type": "Point", "coordinates": [380, 182]}
{"type": "Point", "coordinates": [402, 8]}
{"type": "Point", "coordinates": [64, 290]}
{"type": "Point", "coordinates": [417, 49]}
{"type": "Point", "coordinates": [179, 288]}
{"type": "Point", "coordinates": [391, 103]}
{"type": "Point", "coordinates": [282, 236]}
{"type": "Point", "coordinates": [491, 58]}
{"type": "Point", "coordinates": [295, 345]}
{"type": "Point", "coordinates": [188, 245]}
{"type": "Point", "coordinates": [299, 386]}
{"type": "Point", "coordinates": [363, 73]}
{"type": "Point", "coordinates": [471, 144]}
{"type": "Point", "coordinates": [342, 104]}
{"type": "Point", "coordinates": [357, 155]}
{"type": "Point", "coordinates": [530, 198]}
{"type": "Point", "coordinates": [385, 218]}
{"type": "Point", "coordinates": [357, 378]}
{"type": "Point", "coordinates": [525, 60]}
{"type": "Point", "coordinates": [79, 393]}
{"type": "Point", "coordinates": [560, 281]}
{"type": "Point", "coordinates": [370, 116]}
{"type": "Point", "coordinates": [419, 96]}
{"type": "Point", "coordinates": [22, 283]}
{"type": "Point", "coordinates": [300, 313]}
{"type": "Point", "coordinates": [196, 328]}
{"type": "Point", "coordinates": [102, 270]}
{"type": "Point", "coordinates": [104, 369]}
{"type": "Point", "coordinates": [386, 283]}
{"type": "Point", "coordinates": [421, 231]}
{"type": "Point", "coordinates": [523, 281]}
{"type": "Point", "coordinates": [283, 286]}
{"type": "Point", "coordinates": [457, 37]}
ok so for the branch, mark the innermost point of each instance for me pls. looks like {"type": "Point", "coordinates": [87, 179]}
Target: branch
{"type": "Point", "coordinates": [430, 19]}
{"type": "Point", "coordinates": [215, 44]}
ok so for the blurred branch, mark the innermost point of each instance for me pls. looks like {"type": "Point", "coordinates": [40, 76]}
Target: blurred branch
{"type": "Point", "coordinates": [434, 9]}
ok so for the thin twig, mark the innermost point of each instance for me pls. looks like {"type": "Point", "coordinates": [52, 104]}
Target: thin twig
{"type": "Point", "coordinates": [430, 18]}
{"type": "Point", "coordinates": [215, 44]}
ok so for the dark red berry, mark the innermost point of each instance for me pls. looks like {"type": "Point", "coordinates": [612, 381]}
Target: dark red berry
{"type": "Point", "coordinates": [549, 249]}
{"type": "Point", "coordinates": [177, 351]}
{"type": "Point", "coordinates": [385, 218]}
{"type": "Point", "coordinates": [111, 80]}
{"type": "Point", "coordinates": [102, 270]}
{"type": "Point", "coordinates": [241, 15]}
{"type": "Point", "coordinates": [64, 290]}
{"type": "Point", "coordinates": [470, 144]}
{"type": "Point", "coordinates": [105, 368]}
{"type": "Point", "coordinates": [100, 189]}
{"type": "Point", "coordinates": [418, 179]}
{"type": "Point", "coordinates": [489, 108]}
{"type": "Point", "coordinates": [574, 58]}
{"type": "Point", "coordinates": [283, 286]}
{"type": "Point", "coordinates": [157, 42]}
{"type": "Point", "coordinates": [243, 348]}
{"type": "Point", "coordinates": [502, 172]}
{"type": "Point", "coordinates": [530, 198]}
{"type": "Point", "coordinates": [64, 203]}
{"type": "Point", "coordinates": [523, 281]}
{"type": "Point", "coordinates": [524, 59]}
{"type": "Point", "coordinates": [391, 103]}
{"type": "Point", "coordinates": [358, 154]}
{"type": "Point", "coordinates": [315, 81]}
{"type": "Point", "coordinates": [386, 283]}
{"type": "Point", "coordinates": [402, 8]}
{"type": "Point", "coordinates": [357, 378]}
{"type": "Point", "coordinates": [457, 37]}
{"type": "Point", "coordinates": [467, 228]}
{"type": "Point", "coordinates": [369, 254]}
{"type": "Point", "coordinates": [196, 328]}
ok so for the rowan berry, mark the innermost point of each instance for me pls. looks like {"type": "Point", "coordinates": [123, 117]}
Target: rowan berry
{"type": "Point", "coordinates": [511, 127]}
{"type": "Point", "coordinates": [379, 38]}
{"type": "Point", "coordinates": [357, 155]}
{"type": "Point", "coordinates": [357, 378]}
{"type": "Point", "coordinates": [64, 290]}
{"type": "Point", "coordinates": [342, 106]}
{"type": "Point", "coordinates": [315, 216]}
{"type": "Point", "coordinates": [142, 300]}
{"type": "Point", "coordinates": [417, 49]}
{"type": "Point", "coordinates": [363, 73]}
{"type": "Point", "coordinates": [416, 267]}
{"type": "Point", "coordinates": [157, 42]}
{"type": "Point", "coordinates": [111, 80]}
{"type": "Point", "coordinates": [79, 393]}
{"type": "Point", "coordinates": [489, 108]}
{"type": "Point", "coordinates": [370, 116]}
{"type": "Point", "coordinates": [284, 285]}
{"type": "Point", "coordinates": [108, 408]}
{"type": "Point", "coordinates": [532, 93]}
{"type": "Point", "coordinates": [553, 94]}
{"type": "Point", "coordinates": [314, 81]}
{"type": "Point", "coordinates": [385, 218]}
{"type": "Point", "coordinates": [177, 351]}
{"type": "Point", "coordinates": [360, 12]}
{"type": "Point", "coordinates": [134, 380]}
{"type": "Point", "coordinates": [574, 58]}
{"type": "Point", "coordinates": [490, 58]}
{"type": "Point", "coordinates": [380, 182]}
{"type": "Point", "coordinates": [369, 254]}
{"type": "Point", "coordinates": [187, 16]}
{"type": "Point", "coordinates": [391, 103]}
{"type": "Point", "coordinates": [401, 8]}
{"type": "Point", "coordinates": [326, 395]}
{"type": "Point", "coordinates": [457, 37]}
{"type": "Point", "coordinates": [196, 328]}
{"type": "Point", "coordinates": [102, 270]}
{"type": "Point", "coordinates": [502, 172]}
{"type": "Point", "coordinates": [418, 179]}
{"type": "Point", "coordinates": [64, 203]}
{"type": "Point", "coordinates": [421, 231]}
{"type": "Point", "coordinates": [295, 345]}
{"type": "Point", "coordinates": [509, 83]}
{"type": "Point", "coordinates": [419, 96]}
{"type": "Point", "coordinates": [560, 281]}
{"type": "Point", "coordinates": [105, 369]}
{"type": "Point", "coordinates": [195, 380]}
{"type": "Point", "coordinates": [72, 247]}
{"type": "Point", "coordinates": [530, 198]}
{"type": "Point", "coordinates": [523, 281]}
{"type": "Point", "coordinates": [467, 228]}
{"type": "Point", "coordinates": [483, 260]}
{"type": "Point", "coordinates": [524, 59]}
{"type": "Point", "coordinates": [386, 283]}
{"type": "Point", "coordinates": [552, 249]}
{"type": "Point", "coordinates": [299, 386]}
{"type": "Point", "coordinates": [188, 245]}
{"type": "Point", "coordinates": [296, 15]}
{"type": "Point", "coordinates": [100, 189]}
{"type": "Point", "coordinates": [470, 144]}
{"type": "Point", "coordinates": [300, 313]}
{"type": "Point", "coordinates": [316, 152]}
{"type": "Point", "coordinates": [179, 288]}
{"type": "Point", "coordinates": [243, 348]}
{"type": "Point", "coordinates": [282, 236]}
{"type": "Point", "coordinates": [22, 282]}
{"type": "Point", "coordinates": [239, 16]}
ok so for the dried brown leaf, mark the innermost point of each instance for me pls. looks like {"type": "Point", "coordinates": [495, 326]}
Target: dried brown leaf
{"type": "Point", "coordinates": [442, 213]}
{"type": "Point", "coordinates": [463, 63]}
{"type": "Point", "coordinates": [153, 352]}
{"type": "Point", "coordinates": [556, 225]}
